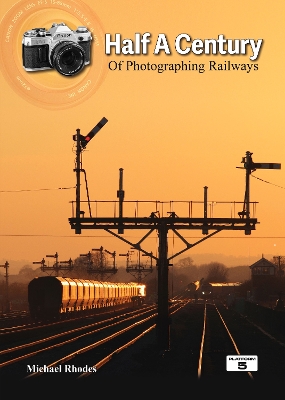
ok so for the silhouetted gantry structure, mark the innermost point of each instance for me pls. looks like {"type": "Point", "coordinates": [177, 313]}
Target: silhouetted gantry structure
{"type": "Point", "coordinates": [138, 269]}
{"type": "Point", "coordinates": [99, 268]}
{"type": "Point", "coordinates": [57, 265]}
{"type": "Point", "coordinates": [160, 217]}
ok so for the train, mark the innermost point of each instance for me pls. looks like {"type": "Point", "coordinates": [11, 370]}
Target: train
{"type": "Point", "coordinates": [199, 290]}
{"type": "Point", "coordinates": [206, 291]}
{"type": "Point", "coordinates": [53, 296]}
{"type": "Point", "coordinates": [226, 291]}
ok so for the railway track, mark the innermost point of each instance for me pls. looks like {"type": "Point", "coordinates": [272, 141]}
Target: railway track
{"type": "Point", "coordinates": [14, 317]}
{"type": "Point", "coordinates": [21, 320]}
{"type": "Point", "coordinates": [15, 334]}
{"type": "Point", "coordinates": [24, 359]}
{"type": "Point", "coordinates": [44, 340]}
{"type": "Point", "coordinates": [200, 342]}
{"type": "Point", "coordinates": [216, 344]}
{"type": "Point", "coordinates": [202, 335]}
{"type": "Point", "coordinates": [227, 333]}
{"type": "Point", "coordinates": [97, 342]}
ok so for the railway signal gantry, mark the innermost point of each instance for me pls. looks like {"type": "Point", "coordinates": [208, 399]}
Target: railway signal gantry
{"type": "Point", "coordinates": [161, 218]}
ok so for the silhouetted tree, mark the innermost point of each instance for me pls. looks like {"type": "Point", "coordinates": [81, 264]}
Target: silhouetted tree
{"type": "Point", "coordinates": [185, 263]}
{"type": "Point", "coordinates": [79, 271]}
{"type": "Point", "coordinates": [27, 273]}
{"type": "Point", "coordinates": [82, 264]}
{"type": "Point", "coordinates": [217, 272]}
{"type": "Point", "coordinates": [187, 268]}
{"type": "Point", "coordinates": [239, 273]}
{"type": "Point", "coordinates": [279, 261]}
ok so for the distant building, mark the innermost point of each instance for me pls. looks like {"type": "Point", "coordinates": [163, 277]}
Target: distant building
{"type": "Point", "coordinates": [262, 267]}
{"type": "Point", "coordinates": [263, 275]}
{"type": "Point", "coordinates": [266, 283]}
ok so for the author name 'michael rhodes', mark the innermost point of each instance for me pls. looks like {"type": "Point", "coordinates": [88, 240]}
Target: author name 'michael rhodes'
{"type": "Point", "coordinates": [59, 368]}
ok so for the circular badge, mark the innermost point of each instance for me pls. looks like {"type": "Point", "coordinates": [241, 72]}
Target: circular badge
{"type": "Point", "coordinates": [52, 52]}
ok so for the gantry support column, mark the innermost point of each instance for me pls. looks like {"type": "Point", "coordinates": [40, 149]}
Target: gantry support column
{"type": "Point", "coordinates": [163, 320]}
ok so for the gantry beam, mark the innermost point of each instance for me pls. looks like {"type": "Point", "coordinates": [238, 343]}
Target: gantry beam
{"type": "Point", "coordinates": [204, 224]}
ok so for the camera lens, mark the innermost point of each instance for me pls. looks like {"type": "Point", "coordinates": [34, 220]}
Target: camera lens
{"type": "Point", "coordinates": [68, 58]}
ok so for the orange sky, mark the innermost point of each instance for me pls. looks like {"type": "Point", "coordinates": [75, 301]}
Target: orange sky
{"type": "Point", "coordinates": [172, 133]}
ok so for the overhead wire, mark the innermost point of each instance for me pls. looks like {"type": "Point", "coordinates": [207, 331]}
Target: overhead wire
{"type": "Point", "coordinates": [256, 177]}
{"type": "Point", "coordinates": [132, 236]}
{"type": "Point", "coordinates": [36, 190]}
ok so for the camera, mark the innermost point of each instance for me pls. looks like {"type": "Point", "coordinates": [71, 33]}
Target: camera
{"type": "Point", "coordinates": [59, 47]}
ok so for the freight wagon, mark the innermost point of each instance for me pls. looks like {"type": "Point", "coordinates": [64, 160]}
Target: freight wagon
{"type": "Point", "coordinates": [51, 296]}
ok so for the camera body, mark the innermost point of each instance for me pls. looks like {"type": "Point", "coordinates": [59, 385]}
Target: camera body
{"type": "Point", "coordinates": [59, 47]}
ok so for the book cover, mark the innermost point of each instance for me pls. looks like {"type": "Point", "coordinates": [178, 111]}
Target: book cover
{"type": "Point", "coordinates": [187, 92]}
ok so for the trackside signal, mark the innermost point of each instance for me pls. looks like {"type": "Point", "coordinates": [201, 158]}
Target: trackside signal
{"type": "Point", "coordinates": [93, 132]}
{"type": "Point", "coordinates": [84, 140]}
{"type": "Point", "coordinates": [250, 167]}
{"type": "Point", "coordinates": [266, 166]}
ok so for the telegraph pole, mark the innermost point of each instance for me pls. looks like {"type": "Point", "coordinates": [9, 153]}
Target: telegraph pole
{"type": "Point", "coordinates": [7, 300]}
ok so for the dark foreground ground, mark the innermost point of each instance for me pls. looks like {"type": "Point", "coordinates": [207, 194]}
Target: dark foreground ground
{"type": "Point", "coordinates": [144, 367]}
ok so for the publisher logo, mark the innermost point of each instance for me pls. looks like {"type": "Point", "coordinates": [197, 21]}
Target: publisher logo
{"type": "Point", "coordinates": [242, 363]}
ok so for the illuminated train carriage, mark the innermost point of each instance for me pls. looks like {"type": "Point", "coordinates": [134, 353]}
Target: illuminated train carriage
{"type": "Point", "coordinates": [51, 296]}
